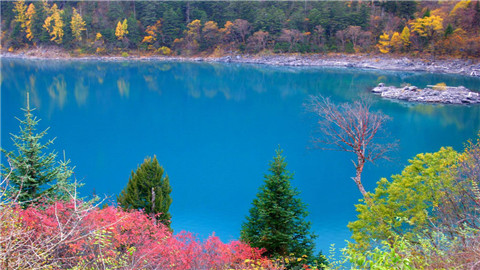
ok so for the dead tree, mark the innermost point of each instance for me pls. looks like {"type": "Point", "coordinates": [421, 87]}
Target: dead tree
{"type": "Point", "coordinates": [351, 127]}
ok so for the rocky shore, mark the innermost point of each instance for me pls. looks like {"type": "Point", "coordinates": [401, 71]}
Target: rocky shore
{"type": "Point", "coordinates": [456, 66]}
{"type": "Point", "coordinates": [381, 62]}
{"type": "Point", "coordinates": [435, 94]}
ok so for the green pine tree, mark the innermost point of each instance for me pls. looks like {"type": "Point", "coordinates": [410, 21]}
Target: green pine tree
{"type": "Point", "coordinates": [33, 174]}
{"type": "Point", "coordinates": [39, 32]}
{"type": "Point", "coordinates": [448, 30]}
{"type": "Point", "coordinates": [133, 32]}
{"type": "Point", "coordinates": [173, 26]}
{"type": "Point", "coordinates": [149, 190]}
{"type": "Point", "coordinates": [277, 218]}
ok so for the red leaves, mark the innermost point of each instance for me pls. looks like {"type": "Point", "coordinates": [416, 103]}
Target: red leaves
{"type": "Point", "coordinates": [69, 235]}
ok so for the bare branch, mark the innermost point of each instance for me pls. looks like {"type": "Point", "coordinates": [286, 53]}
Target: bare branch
{"type": "Point", "coordinates": [350, 127]}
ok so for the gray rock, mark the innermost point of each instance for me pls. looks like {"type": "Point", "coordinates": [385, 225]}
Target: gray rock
{"type": "Point", "coordinates": [450, 95]}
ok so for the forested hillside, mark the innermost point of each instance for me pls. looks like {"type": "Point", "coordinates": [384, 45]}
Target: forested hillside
{"type": "Point", "coordinates": [206, 28]}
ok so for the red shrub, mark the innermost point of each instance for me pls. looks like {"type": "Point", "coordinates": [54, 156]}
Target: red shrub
{"type": "Point", "coordinates": [70, 235]}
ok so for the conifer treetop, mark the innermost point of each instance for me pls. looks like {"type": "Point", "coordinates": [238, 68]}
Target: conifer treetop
{"type": "Point", "coordinates": [277, 217]}
{"type": "Point", "coordinates": [35, 174]}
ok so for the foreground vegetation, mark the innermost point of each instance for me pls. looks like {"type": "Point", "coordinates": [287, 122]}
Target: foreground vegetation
{"type": "Point", "coordinates": [427, 217]}
{"type": "Point", "coordinates": [77, 235]}
{"type": "Point", "coordinates": [449, 28]}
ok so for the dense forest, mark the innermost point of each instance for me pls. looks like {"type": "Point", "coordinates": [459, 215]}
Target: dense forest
{"type": "Point", "coordinates": [211, 28]}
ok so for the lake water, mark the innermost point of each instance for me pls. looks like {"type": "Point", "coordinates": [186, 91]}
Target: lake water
{"type": "Point", "coordinates": [214, 128]}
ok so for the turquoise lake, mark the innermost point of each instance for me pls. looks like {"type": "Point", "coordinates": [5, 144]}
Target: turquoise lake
{"type": "Point", "coordinates": [214, 128]}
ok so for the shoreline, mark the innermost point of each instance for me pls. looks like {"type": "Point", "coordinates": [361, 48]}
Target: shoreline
{"type": "Point", "coordinates": [380, 62]}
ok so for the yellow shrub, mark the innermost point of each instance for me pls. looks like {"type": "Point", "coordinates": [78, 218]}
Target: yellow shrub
{"type": "Point", "coordinates": [440, 86]}
{"type": "Point", "coordinates": [164, 50]}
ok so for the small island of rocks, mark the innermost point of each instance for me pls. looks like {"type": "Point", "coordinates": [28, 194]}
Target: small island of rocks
{"type": "Point", "coordinates": [440, 94]}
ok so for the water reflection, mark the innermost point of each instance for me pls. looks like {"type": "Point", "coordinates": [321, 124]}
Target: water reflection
{"type": "Point", "coordinates": [81, 91]}
{"type": "Point", "coordinates": [30, 86]}
{"type": "Point", "coordinates": [163, 67]}
{"type": "Point", "coordinates": [456, 115]}
{"type": "Point", "coordinates": [151, 83]}
{"type": "Point", "coordinates": [232, 82]}
{"type": "Point", "coordinates": [123, 87]}
{"type": "Point", "coordinates": [58, 90]}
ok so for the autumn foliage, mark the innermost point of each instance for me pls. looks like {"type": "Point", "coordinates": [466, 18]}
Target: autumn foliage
{"type": "Point", "coordinates": [73, 235]}
{"type": "Point", "coordinates": [204, 28]}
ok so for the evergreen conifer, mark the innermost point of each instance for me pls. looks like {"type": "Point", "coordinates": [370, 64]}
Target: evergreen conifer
{"type": "Point", "coordinates": [149, 190]}
{"type": "Point", "coordinates": [277, 218]}
{"type": "Point", "coordinates": [40, 34]}
{"type": "Point", "coordinates": [34, 174]}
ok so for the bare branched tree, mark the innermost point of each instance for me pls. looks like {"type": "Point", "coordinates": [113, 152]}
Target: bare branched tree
{"type": "Point", "coordinates": [242, 28]}
{"type": "Point", "coordinates": [351, 128]}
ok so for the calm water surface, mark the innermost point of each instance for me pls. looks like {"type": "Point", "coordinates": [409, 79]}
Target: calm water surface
{"type": "Point", "coordinates": [214, 128]}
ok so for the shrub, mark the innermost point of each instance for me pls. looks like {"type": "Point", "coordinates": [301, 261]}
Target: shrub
{"type": "Point", "coordinates": [407, 204]}
{"type": "Point", "coordinates": [73, 235]}
{"type": "Point", "coordinates": [164, 50]}
{"type": "Point", "coordinates": [440, 87]}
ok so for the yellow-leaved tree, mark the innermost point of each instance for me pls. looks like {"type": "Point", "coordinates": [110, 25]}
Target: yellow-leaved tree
{"type": "Point", "coordinates": [384, 45]}
{"type": "Point", "coordinates": [192, 35]}
{"type": "Point", "coordinates": [396, 42]}
{"type": "Point", "coordinates": [210, 34]}
{"type": "Point", "coordinates": [122, 29]}
{"type": "Point", "coordinates": [428, 27]}
{"type": "Point", "coordinates": [405, 36]}
{"type": "Point", "coordinates": [78, 25]}
{"type": "Point", "coordinates": [153, 31]}
{"type": "Point", "coordinates": [28, 22]}
{"type": "Point", "coordinates": [54, 24]}
{"type": "Point", "coordinates": [459, 6]}
{"type": "Point", "coordinates": [98, 36]}
{"type": "Point", "coordinates": [20, 13]}
{"type": "Point", "coordinates": [98, 44]}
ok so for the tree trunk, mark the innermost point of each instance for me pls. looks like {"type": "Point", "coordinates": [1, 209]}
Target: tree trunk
{"type": "Point", "coordinates": [153, 206]}
{"type": "Point", "coordinates": [358, 178]}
